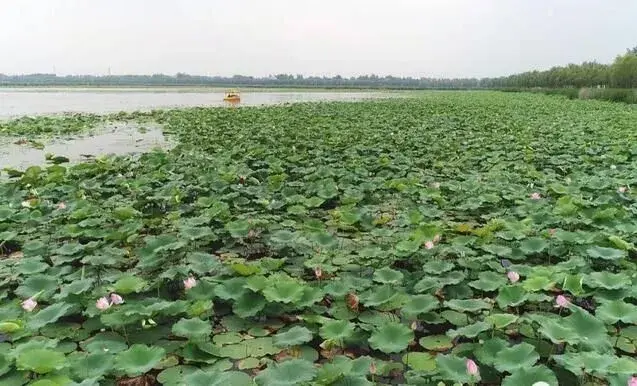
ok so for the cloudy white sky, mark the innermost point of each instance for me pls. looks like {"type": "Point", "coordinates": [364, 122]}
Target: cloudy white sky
{"type": "Point", "coordinates": [440, 38]}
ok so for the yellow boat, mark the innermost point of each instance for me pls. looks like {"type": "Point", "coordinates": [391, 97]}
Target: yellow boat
{"type": "Point", "coordinates": [232, 96]}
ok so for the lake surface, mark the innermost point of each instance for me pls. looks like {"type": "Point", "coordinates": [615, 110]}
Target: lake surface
{"type": "Point", "coordinates": [15, 102]}
{"type": "Point", "coordinates": [115, 138]}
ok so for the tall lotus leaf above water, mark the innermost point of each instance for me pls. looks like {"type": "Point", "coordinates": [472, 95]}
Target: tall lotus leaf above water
{"type": "Point", "coordinates": [41, 361]}
{"type": "Point", "coordinates": [470, 305]}
{"type": "Point", "coordinates": [419, 304]}
{"type": "Point", "coordinates": [284, 292]}
{"type": "Point", "coordinates": [454, 369]}
{"type": "Point", "coordinates": [391, 337]}
{"type": "Point", "coordinates": [531, 376]}
{"type": "Point", "coordinates": [128, 284]}
{"type": "Point", "coordinates": [533, 245]}
{"type": "Point", "coordinates": [519, 356]}
{"type": "Point", "coordinates": [337, 330]}
{"type": "Point", "coordinates": [295, 336]}
{"type": "Point", "coordinates": [605, 253]}
{"type": "Point", "coordinates": [193, 329]}
{"type": "Point", "coordinates": [138, 359]}
{"type": "Point", "coordinates": [289, 373]}
{"type": "Point", "coordinates": [618, 310]}
{"type": "Point", "coordinates": [387, 275]}
{"type": "Point", "coordinates": [608, 280]}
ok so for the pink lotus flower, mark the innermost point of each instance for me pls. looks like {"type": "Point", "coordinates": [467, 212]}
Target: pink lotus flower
{"type": "Point", "coordinates": [102, 304]}
{"type": "Point", "coordinates": [116, 299]}
{"type": "Point", "coordinates": [436, 185]}
{"type": "Point", "coordinates": [61, 205]}
{"type": "Point", "coordinates": [622, 189]}
{"type": "Point", "coordinates": [29, 304]}
{"type": "Point", "coordinates": [535, 196]}
{"type": "Point", "coordinates": [318, 272]}
{"type": "Point", "coordinates": [472, 368]}
{"type": "Point", "coordinates": [561, 301]}
{"type": "Point", "coordinates": [552, 231]}
{"type": "Point", "coordinates": [632, 381]}
{"type": "Point", "coordinates": [373, 369]}
{"type": "Point", "coordinates": [190, 282]}
{"type": "Point", "coordinates": [437, 238]}
{"type": "Point", "coordinates": [513, 276]}
{"type": "Point", "coordinates": [429, 244]}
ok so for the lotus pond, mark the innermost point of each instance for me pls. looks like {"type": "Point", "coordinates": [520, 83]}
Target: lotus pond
{"type": "Point", "coordinates": [450, 238]}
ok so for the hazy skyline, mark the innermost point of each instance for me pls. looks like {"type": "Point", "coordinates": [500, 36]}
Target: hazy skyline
{"type": "Point", "coordinates": [420, 38]}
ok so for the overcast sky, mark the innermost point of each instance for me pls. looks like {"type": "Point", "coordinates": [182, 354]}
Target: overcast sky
{"type": "Point", "coordinates": [438, 38]}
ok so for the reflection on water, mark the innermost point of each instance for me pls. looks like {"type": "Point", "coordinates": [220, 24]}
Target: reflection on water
{"type": "Point", "coordinates": [116, 138]}
{"type": "Point", "coordinates": [19, 102]}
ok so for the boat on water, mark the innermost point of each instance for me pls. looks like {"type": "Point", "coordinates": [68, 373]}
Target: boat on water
{"type": "Point", "coordinates": [232, 96]}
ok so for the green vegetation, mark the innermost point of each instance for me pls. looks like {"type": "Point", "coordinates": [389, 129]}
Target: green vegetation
{"type": "Point", "coordinates": [477, 238]}
{"type": "Point", "coordinates": [622, 73]}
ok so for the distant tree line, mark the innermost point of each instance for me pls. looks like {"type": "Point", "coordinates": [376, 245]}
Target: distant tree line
{"type": "Point", "coordinates": [622, 73]}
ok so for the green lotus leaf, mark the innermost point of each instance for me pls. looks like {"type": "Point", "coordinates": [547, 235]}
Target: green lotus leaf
{"type": "Point", "coordinates": [138, 359]}
{"type": "Point", "coordinates": [248, 304]}
{"type": "Point", "coordinates": [419, 304]}
{"type": "Point", "coordinates": [174, 376]}
{"type": "Point", "coordinates": [498, 250]}
{"type": "Point", "coordinates": [520, 356]}
{"type": "Point", "coordinates": [489, 349]}
{"type": "Point", "coordinates": [623, 365]}
{"type": "Point", "coordinates": [618, 310]}
{"type": "Point", "coordinates": [94, 365]}
{"type": "Point", "coordinates": [427, 284]}
{"type": "Point", "coordinates": [573, 284]}
{"type": "Point", "coordinates": [108, 342]}
{"type": "Point", "coordinates": [489, 281]}
{"type": "Point", "coordinates": [288, 373]}
{"type": "Point", "coordinates": [471, 330]}
{"type": "Point", "coordinates": [538, 283]}
{"type": "Point", "coordinates": [454, 317]}
{"type": "Point", "coordinates": [77, 287]}
{"type": "Point", "coordinates": [231, 289]}
{"type": "Point", "coordinates": [591, 362]}
{"type": "Point", "coordinates": [608, 280]}
{"type": "Point", "coordinates": [420, 361]}
{"type": "Point", "coordinates": [387, 275]}
{"type": "Point", "coordinates": [391, 337]}
{"type": "Point", "coordinates": [41, 361]}
{"type": "Point", "coordinates": [467, 305]}
{"type": "Point", "coordinates": [452, 278]}
{"type": "Point", "coordinates": [501, 320]}
{"type": "Point", "coordinates": [238, 229]}
{"type": "Point", "coordinates": [128, 284]}
{"type": "Point", "coordinates": [605, 253]}
{"type": "Point", "coordinates": [437, 267]}
{"type": "Point", "coordinates": [294, 336]}
{"type": "Point", "coordinates": [32, 266]}
{"type": "Point", "coordinates": [337, 330]}
{"type": "Point", "coordinates": [5, 364]}
{"type": "Point", "coordinates": [194, 329]}
{"type": "Point", "coordinates": [49, 314]}
{"type": "Point", "coordinates": [202, 263]}
{"type": "Point", "coordinates": [511, 296]}
{"type": "Point", "coordinates": [245, 269]}
{"type": "Point", "coordinates": [36, 284]}
{"type": "Point", "coordinates": [454, 369]}
{"type": "Point", "coordinates": [531, 376]}
{"type": "Point", "coordinates": [201, 378]}
{"type": "Point", "coordinates": [196, 233]}
{"type": "Point", "coordinates": [380, 296]}
{"type": "Point", "coordinates": [436, 342]}
{"type": "Point", "coordinates": [533, 245]}
{"type": "Point", "coordinates": [284, 292]}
